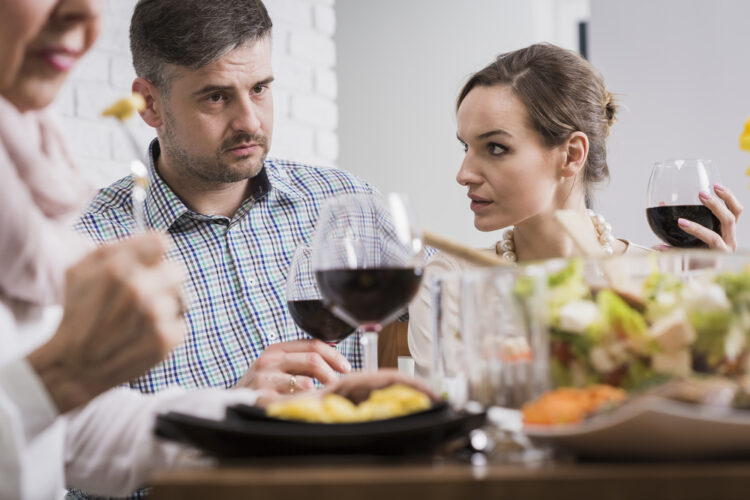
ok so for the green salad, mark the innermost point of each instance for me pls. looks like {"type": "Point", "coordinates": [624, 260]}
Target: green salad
{"type": "Point", "coordinates": [700, 325]}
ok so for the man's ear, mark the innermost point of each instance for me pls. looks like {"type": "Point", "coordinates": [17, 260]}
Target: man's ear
{"type": "Point", "coordinates": [576, 150]}
{"type": "Point", "coordinates": [152, 114]}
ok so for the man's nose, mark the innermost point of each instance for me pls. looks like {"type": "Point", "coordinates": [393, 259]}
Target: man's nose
{"type": "Point", "coordinates": [246, 118]}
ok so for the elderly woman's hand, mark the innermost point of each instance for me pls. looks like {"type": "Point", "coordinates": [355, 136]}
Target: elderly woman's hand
{"type": "Point", "coordinates": [123, 313]}
{"type": "Point", "coordinates": [728, 213]}
{"type": "Point", "coordinates": [358, 386]}
{"type": "Point", "coordinates": [355, 386]}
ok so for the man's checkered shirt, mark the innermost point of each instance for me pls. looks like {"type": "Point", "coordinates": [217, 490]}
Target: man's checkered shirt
{"type": "Point", "coordinates": [237, 267]}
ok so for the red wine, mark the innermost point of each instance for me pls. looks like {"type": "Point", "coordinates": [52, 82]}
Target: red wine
{"type": "Point", "coordinates": [369, 295]}
{"type": "Point", "coordinates": [663, 222]}
{"type": "Point", "coordinates": [318, 321]}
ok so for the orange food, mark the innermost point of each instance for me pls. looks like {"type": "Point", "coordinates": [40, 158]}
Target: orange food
{"type": "Point", "coordinates": [569, 405]}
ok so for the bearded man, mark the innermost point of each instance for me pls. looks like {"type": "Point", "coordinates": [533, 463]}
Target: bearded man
{"type": "Point", "coordinates": [235, 216]}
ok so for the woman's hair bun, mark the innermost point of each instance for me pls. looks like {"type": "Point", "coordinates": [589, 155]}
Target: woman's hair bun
{"type": "Point", "coordinates": [610, 108]}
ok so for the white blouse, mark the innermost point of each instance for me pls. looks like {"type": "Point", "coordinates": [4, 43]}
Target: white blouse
{"type": "Point", "coordinates": [105, 448]}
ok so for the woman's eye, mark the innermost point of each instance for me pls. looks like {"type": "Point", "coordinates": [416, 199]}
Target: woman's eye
{"type": "Point", "coordinates": [465, 147]}
{"type": "Point", "coordinates": [496, 149]}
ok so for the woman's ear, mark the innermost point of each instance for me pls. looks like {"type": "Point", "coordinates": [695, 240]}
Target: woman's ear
{"type": "Point", "coordinates": [576, 150]}
{"type": "Point", "coordinates": [151, 114]}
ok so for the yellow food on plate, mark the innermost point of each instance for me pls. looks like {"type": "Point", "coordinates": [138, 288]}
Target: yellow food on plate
{"type": "Point", "coordinates": [394, 401]}
{"type": "Point", "coordinates": [125, 107]}
{"type": "Point", "coordinates": [569, 405]}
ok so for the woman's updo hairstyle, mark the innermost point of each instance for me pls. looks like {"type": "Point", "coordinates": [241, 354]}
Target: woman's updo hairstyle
{"type": "Point", "coordinates": [562, 93]}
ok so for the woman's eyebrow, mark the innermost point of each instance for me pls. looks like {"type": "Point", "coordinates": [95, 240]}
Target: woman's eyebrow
{"type": "Point", "coordinates": [494, 132]}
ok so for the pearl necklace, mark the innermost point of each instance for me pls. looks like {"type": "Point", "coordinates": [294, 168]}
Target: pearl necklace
{"type": "Point", "coordinates": [507, 247]}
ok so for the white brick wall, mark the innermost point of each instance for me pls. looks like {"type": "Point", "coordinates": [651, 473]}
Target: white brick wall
{"type": "Point", "coordinates": [305, 90]}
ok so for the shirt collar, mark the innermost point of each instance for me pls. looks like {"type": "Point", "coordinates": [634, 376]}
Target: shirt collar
{"type": "Point", "coordinates": [278, 179]}
{"type": "Point", "coordinates": [164, 208]}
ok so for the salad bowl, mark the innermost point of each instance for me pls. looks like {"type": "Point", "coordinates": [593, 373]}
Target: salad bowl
{"type": "Point", "coordinates": [672, 336]}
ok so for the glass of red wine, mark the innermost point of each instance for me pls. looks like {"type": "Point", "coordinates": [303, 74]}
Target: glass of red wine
{"type": "Point", "coordinates": [673, 194]}
{"type": "Point", "coordinates": [306, 305]}
{"type": "Point", "coordinates": [367, 257]}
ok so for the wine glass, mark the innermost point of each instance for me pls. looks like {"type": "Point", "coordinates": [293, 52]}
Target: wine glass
{"type": "Point", "coordinates": [673, 194]}
{"type": "Point", "coordinates": [306, 305]}
{"type": "Point", "coordinates": [367, 257]}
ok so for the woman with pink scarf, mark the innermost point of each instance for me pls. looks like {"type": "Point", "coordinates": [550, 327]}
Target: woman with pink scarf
{"type": "Point", "coordinates": [121, 306]}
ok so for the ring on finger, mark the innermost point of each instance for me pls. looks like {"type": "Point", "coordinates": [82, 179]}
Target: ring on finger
{"type": "Point", "coordinates": [292, 384]}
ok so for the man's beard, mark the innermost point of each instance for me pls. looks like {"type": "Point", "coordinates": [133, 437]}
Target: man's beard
{"type": "Point", "coordinates": [214, 170]}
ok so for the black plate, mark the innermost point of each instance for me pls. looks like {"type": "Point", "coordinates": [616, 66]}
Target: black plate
{"type": "Point", "coordinates": [256, 414]}
{"type": "Point", "coordinates": [247, 432]}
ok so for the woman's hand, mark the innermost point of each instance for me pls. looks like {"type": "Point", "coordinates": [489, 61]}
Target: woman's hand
{"type": "Point", "coordinates": [123, 313]}
{"type": "Point", "coordinates": [728, 213]}
{"type": "Point", "coordinates": [355, 386]}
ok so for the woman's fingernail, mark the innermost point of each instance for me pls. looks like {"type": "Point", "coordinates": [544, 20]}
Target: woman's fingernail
{"type": "Point", "coordinates": [347, 366]}
{"type": "Point", "coordinates": [704, 195]}
{"type": "Point", "coordinates": [719, 187]}
{"type": "Point", "coordinates": [662, 248]}
{"type": "Point", "coordinates": [683, 222]}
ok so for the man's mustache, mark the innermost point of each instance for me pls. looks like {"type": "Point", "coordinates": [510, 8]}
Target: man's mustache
{"type": "Point", "coordinates": [258, 139]}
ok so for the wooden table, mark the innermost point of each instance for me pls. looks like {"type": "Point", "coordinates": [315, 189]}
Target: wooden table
{"type": "Point", "coordinates": [454, 481]}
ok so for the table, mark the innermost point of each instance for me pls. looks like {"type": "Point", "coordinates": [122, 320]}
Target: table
{"type": "Point", "coordinates": [454, 481]}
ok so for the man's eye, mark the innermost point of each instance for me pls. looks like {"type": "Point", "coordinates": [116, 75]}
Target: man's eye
{"type": "Point", "coordinates": [259, 89]}
{"type": "Point", "coordinates": [215, 98]}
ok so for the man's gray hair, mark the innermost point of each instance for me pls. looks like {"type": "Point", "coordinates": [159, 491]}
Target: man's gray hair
{"type": "Point", "coordinates": [191, 33]}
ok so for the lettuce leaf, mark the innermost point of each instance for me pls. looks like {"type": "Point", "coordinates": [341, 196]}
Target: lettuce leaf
{"type": "Point", "coordinates": [657, 283]}
{"type": "Point", "coordinates": [657, 287]}
{"type": "Point", "coordinates": [711, 330]}
{"type": "Point", "coordinates": [565, 286]}
{"type": "Point", "coordinates": [617, 318]}
{"type": "Point", "coordinates": [640, 376]}
{"type": "Point", "coordinates": [737, 288]}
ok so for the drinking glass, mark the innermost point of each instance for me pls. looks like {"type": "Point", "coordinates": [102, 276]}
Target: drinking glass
{"type": "Point", "coordinates": [448, 364]}
{"type": "Point", "coordinates": [673, 194]}
{"type": "Point", "coordinates": [502, 319]}
{"type": "Point", "coordinates": [367, 258]}
{"type": "Point", "coordinates": [306, 305]}
{"type": "Point", "coordinates": [491, 349]}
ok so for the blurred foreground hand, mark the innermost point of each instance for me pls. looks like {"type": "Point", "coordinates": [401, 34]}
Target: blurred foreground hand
{"type": "Point", "coordinates": [123, 313]}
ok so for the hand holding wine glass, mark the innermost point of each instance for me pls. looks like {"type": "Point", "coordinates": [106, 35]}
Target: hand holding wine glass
{"type": "Point", "coordinates": [292, 367]}
{"type": "Point", "coordinates": [367, 258]}
{"type": "Point", "coordinates": [683, 212]}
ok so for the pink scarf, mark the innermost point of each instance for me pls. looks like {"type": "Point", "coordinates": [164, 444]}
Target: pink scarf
{"type": "Point", "coordinates": [41, 192]}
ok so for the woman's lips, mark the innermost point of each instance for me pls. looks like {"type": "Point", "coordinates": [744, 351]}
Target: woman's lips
{"type": "Point", "coordinates": [59, 59]}
{"type": "Point", "coordinates": [478, 204]}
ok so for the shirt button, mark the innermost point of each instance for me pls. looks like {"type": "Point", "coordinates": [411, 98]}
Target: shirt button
{"type": "Point", "coordinates": [272, 336]}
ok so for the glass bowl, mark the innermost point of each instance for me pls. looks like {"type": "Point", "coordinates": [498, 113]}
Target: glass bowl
{"type": "Point", "coordinates": [506, 335]}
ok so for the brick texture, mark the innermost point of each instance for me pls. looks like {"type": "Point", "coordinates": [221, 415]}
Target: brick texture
{"type": "Point", "coordinates": [305, 90]}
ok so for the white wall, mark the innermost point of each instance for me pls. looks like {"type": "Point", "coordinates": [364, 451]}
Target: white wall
{"type": "Point", "coordinates": [304, 58]}
{"type": "Point", "coordinates": [682, 71]}
{"type": "Point", "coordinates": [395, 67]}
{"type": "Point", "coordinates": [401, 64]}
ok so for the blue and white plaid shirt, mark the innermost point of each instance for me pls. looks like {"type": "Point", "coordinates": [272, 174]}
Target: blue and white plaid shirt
{"type": "Point", "coordinates": [237, 267]}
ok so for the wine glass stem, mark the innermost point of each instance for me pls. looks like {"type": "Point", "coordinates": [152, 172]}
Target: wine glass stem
{"type": "Point", "coordinates": [369, 342]}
